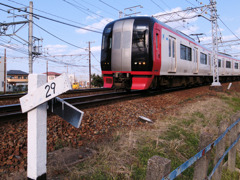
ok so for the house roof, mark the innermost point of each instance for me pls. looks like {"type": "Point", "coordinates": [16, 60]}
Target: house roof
{"type": "Point", "coordinates": [52, 74]}
{"type": "Point", "coordinates": [16, 72]}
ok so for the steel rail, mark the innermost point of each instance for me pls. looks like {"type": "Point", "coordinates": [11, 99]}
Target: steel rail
{"type": "Point", "coordinates": [12, 112]}
{"type": "Point", "coordinates": [18, 95]}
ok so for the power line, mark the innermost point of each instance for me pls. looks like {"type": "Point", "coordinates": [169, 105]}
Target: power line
{"type": "Point", "coordinates": [97, 7]}
{"type": "Point", "coordinates": [58, 37]}
{"type": "Point", "coordinates": [86, 9]}
{"type": "Point", "coordinates": [54, 20]}
{"type": "Point", "coordinates": [54, 15]}
{"type": "Point", "coordinates": [228, 28]}
{"type": "Point", "coordinates": [95, 58]}
{"type": "Point", "coordinates": [109, 5]}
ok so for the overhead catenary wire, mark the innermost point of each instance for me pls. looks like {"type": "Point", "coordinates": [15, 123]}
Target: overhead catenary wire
{"type": "Point", "coordinates": [109, 5]}
{"type": "Point", "coordinates": [58, 37]}
{"type": "Point", "coordinates": [228, 28]}
{"type": "Point", "coordinates": [56, 16]}
{"type": "Point", "coordinates": [54, 20]}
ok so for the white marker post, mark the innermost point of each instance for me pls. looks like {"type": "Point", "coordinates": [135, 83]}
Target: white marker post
{"type": "Point", "coordinates": [39, 92]}
{"type": "Point", "coordinates": [37, 133]}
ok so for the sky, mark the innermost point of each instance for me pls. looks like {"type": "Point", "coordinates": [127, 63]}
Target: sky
{"type": "Point", "coordinates": [65, 28]}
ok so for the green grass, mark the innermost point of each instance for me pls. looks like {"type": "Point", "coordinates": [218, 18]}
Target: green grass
{"type": "Point", "coordinates": [187, 148]}
{"type": "Point", "coordinates": [227, 175]}
{"type": "Point", "coordinates": [233, 102]}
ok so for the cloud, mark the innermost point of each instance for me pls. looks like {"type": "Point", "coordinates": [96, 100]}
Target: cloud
{"type": "Point", "coordinates": [190, 30]}
{"type": "Point", "coordinates": [169, 16]}
{"type": "Point", "coordinates": [99, 25]}
{"type": "Point", "coordinates": [174, 19]}
{"type": "Point", "coordinates": [92, 17]}
{"type": "Point", "coordinates": [94, 49]}
{"type": "Point", "coordinates": [238, 31]}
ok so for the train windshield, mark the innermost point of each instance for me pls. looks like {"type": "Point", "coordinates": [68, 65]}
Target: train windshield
{"type": "Point", "coordinates": [107, 39]}
{"type": "Point", "coordinates": [140, 46]}
{"type": "Point", "coordinates": [106, 48]}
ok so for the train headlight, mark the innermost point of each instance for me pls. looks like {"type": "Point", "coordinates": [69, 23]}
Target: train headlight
{"type": "Point", "coordinates": [140, 63]}
{"type": "Point", "coordinates": [144, 63]}
{"type": "Point", "coordinates": [135, 63]}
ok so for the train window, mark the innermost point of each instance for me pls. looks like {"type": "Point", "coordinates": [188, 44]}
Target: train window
{"type": "Point", "coordinates": [157, 41]}
{"type": "Point", "coordinates": [139, 39]}
{"type": "Point", "coordinates": [117, 40]}
{"type": "Point", "coordinates": [203, 58]}
{"type": "Point", "coordinates": [219, 63]}
{"type": "Point", "coordinates": [228, 64]}
{"type": "Point", "coordinates": [126, 39]}
{"type": "Point", "coordinates": [169, 47]}
{"type": "Point", "coordinates": [236, 65]}
{"type": "Point", "coordinates": [185, 53]}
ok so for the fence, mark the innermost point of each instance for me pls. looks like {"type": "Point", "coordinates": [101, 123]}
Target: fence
{"type": "Point", "coordinates": [159, 167]}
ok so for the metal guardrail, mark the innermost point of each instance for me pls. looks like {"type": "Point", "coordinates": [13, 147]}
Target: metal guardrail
{"type": "Point", "coordinates": [200, 154]}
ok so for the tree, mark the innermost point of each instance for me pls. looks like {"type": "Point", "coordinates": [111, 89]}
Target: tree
{"type": "Point", "coordinates": [97, 80]}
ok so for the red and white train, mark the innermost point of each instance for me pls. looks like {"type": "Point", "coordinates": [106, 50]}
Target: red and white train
{"type": "Point", "coordinates": [142, 53]}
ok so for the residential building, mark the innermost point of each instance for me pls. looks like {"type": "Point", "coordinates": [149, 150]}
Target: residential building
{"type": "Point", "coordinates": [52, 75]}
{"type": "Point", "coordinates": [17, 80]}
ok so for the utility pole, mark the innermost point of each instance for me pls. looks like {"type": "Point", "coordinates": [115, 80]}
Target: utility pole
{"type": "Point", "coordinates": [5, 71]}
{"type": "Point", "coordinates": [214, 43]}
{"type": "Point", "coordinates": [47, 69]}
{"type": "Point", "coordinates": [31, 40]}
{"type": "Point", "coordinates": [30, 36]}
{"type": "Point", "coordinates": [89, 51]}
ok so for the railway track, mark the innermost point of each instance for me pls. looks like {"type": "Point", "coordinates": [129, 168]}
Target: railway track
{"type": "Point", "coordinates": [13, 111]}
{"type": "Point", "coordinates": [81, 91]}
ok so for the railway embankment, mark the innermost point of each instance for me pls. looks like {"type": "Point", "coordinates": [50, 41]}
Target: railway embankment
{"type": "Point", "coordinates": [113, 143]}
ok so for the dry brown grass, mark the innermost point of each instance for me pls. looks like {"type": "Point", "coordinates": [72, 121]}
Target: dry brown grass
{"type": "Point", "coordinates": [117, 156]}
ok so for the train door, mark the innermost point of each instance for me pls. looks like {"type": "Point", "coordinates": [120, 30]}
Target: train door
{"type": "Point", "coordinates": [122, 45]}
{"type": "Point", "coordinates": [195, 60]}
{"type": "Point", "coordinates": [223, 66]}
{"type": "Point", "coordinates": [210, 63]}
{"type": "Point", "coordinates": [172, 54]}
{"type": "Point", "coordinates": [157, 51]}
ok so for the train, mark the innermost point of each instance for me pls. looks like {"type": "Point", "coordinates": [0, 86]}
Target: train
{"type": "Point", "coordinates": [140, 53]}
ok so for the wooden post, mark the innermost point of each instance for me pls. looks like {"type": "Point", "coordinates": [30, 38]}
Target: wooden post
{"type": "Point", "coordinates": [232, 152]}
{"type": "Point", "coordinates": [201, 167]}
{"type": "Point", "coordinates": [220, 149]}
{"type": "Point", "coordinates": [37, 133]}
{"type": "Point", "coordinates": [157, 168]}
{"type": "Point", "coordinates": [238, 132]}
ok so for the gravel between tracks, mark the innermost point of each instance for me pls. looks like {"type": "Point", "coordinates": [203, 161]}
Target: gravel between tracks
{"type": "Point", "coordinates": [98, 123]}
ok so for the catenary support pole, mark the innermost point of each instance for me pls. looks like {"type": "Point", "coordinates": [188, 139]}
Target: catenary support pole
{"type": "Point", "coordinates": [5, 71]}
{"type": "Point", "coordinates": [214, 57]}
{"type": "Point", "coordinates": [89, 48]}
{"type": "Point", "coordinates": [30, 36]}
{"type": "Point", "coordinates": [37, 133]}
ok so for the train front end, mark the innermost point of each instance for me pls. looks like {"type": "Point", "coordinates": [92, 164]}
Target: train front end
{"type": "Point", "coordinates": [126, 58]}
